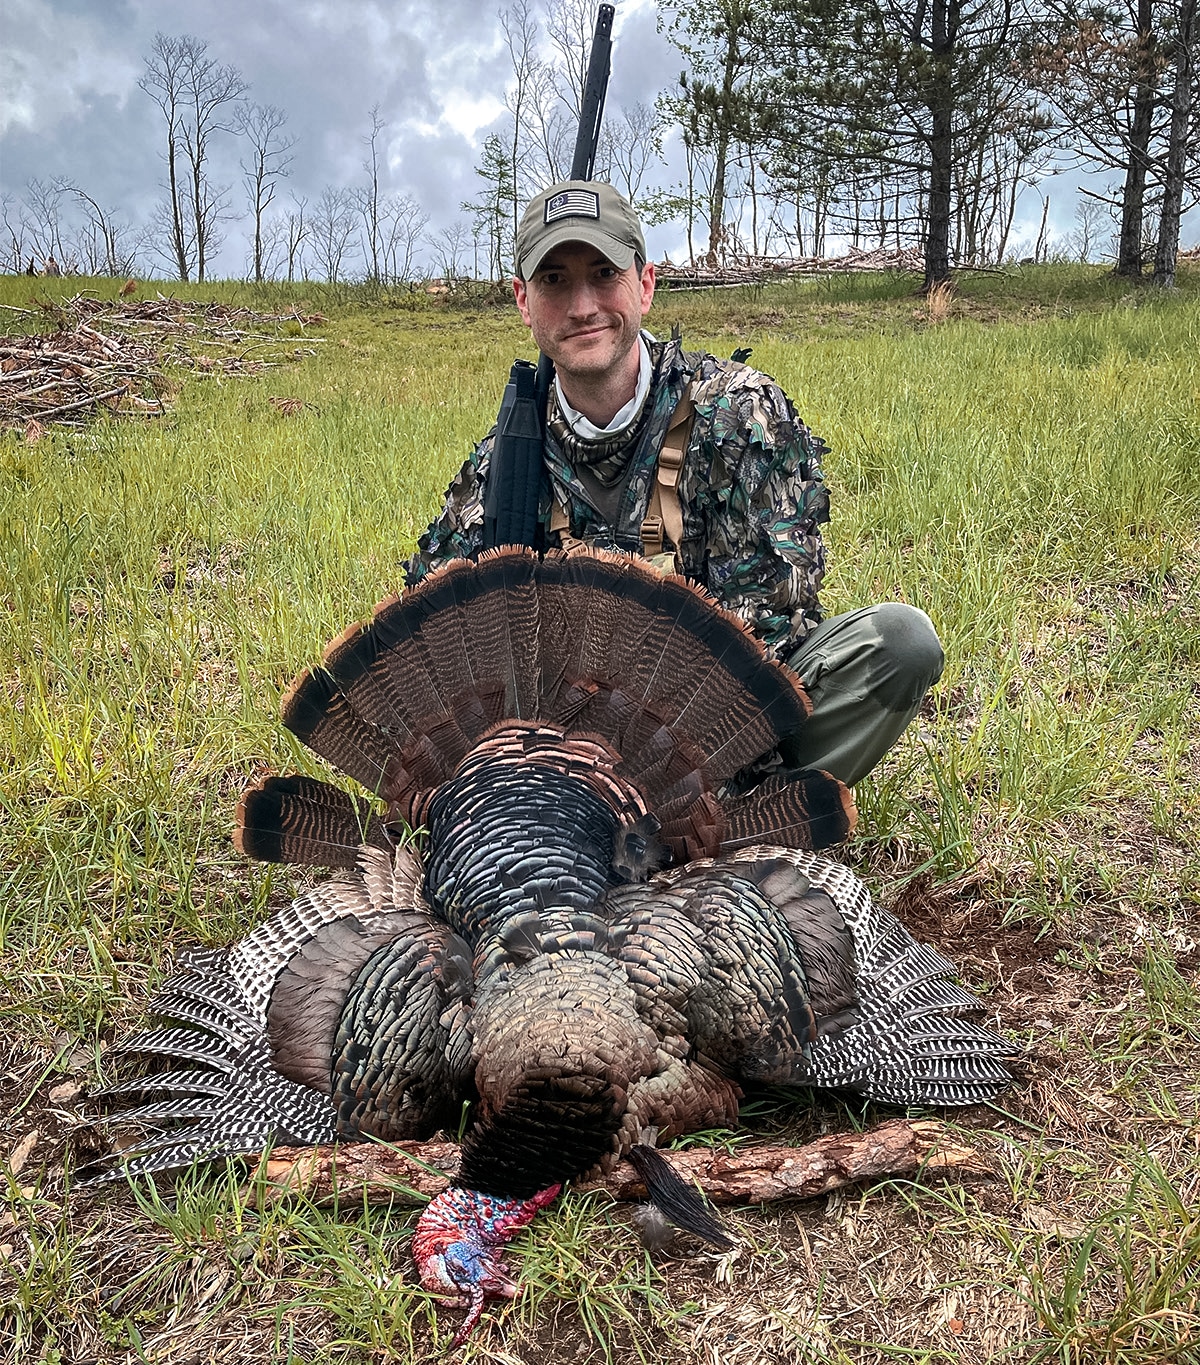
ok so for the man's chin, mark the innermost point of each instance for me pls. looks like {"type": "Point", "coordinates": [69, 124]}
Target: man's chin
{"type": "Point", "coordinates": [588, 362]}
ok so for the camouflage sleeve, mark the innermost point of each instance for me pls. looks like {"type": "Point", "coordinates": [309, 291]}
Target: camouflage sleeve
{"type": "Point", "coordinates": [766, 555]}
{"type": "Point", "coordinates": [457, 533]}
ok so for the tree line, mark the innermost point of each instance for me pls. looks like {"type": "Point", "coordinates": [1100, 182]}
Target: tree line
{"type": "Point", "coordinates": [793, 125]}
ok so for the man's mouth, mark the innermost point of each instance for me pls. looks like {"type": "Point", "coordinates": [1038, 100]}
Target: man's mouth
{"type": "Point", "coordinates": [585, 333]}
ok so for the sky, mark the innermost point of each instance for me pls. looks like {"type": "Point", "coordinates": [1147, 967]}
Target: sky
{"type": "Point", "coordinates": [70, 103]}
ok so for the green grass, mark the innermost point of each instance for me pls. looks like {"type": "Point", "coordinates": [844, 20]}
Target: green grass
{"type": "Point", "coordinates": [1027, 470]}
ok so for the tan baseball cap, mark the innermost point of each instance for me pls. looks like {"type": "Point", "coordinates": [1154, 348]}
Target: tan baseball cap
{"type": "Point", "coordinates": [578, 211]}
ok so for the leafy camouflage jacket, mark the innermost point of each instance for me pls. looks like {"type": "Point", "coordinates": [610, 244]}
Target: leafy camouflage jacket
{"type": "Point", "coordinates": [750, 489]}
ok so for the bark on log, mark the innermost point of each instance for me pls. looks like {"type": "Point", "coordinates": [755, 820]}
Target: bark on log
{"type": "Point", "coordinates": [409, 1173]}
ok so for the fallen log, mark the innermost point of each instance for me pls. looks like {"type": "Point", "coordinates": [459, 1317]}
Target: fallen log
{"type": "Point", "coordinates": [410, 1173]}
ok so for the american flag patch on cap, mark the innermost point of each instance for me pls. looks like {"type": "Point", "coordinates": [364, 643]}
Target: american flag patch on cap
{"type": "Point", "coordinates": [571, 204]}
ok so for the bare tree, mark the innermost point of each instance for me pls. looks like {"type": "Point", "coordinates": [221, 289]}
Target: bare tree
{"type": "Point", "coordinates": [268, 162]}
{"type": "Point", "coordinates": [297, 230]}
{"type": "Point", "coordinates": [402, 222]}
{"type": "Point", "coordinates": [195, 94]}
{"type": "Point", "coordinates": [43, 219]}
{"type": "Point", "coordinates": [520, 37]}
{"type": "Point", "coordinates": [163, 82]}
{"type": "Point", "coordinates": [13, 217]}
{"type": "Point", "coordinates": [449, 247]}
{"type": "Point", "coordinates": [99, 236]}
{"type": "Point", "coordinates": [211, 88]}
{"type": "Point", "coordinates": [104, 244]}
{"type": "Point", "coordinates": [368, 199]}
{"type": "Point", "coordinates": [550, 128]}
{"type": "Point", "coordinates": [1091, 217]}
{"type": "Point", "coordinates": [570, 25]}
{"type": "Point", "coordinates": [332, 232]}
{"type": "Point", "coordinates": [630, 143]}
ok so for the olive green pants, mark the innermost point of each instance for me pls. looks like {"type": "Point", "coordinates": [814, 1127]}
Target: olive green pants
{"type": "Point", "coordinates": [867, 672]}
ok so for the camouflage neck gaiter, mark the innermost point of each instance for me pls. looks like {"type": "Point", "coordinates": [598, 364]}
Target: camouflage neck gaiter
{"type": "Point", "coordinates": [607, 460]}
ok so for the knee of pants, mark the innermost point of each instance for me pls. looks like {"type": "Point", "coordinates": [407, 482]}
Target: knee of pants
{"type": "Point", "coordinates": [909, 642]}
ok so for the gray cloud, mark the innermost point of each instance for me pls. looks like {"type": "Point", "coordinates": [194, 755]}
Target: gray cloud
{"type": "Point", "coordinates": [71, 105]}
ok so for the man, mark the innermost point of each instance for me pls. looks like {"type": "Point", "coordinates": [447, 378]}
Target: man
{"type": "Point", "coordinates": [749, 498]}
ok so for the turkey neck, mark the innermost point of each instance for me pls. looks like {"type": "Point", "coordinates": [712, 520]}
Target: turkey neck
{"type": "Point", "coordinates": [507, 838]}
{"type": "Point", "coordinates": [558, 1045]}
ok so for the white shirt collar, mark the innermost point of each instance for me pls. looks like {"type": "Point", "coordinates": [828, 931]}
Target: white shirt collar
{"type": "Point", "coordinates": [588, 431]}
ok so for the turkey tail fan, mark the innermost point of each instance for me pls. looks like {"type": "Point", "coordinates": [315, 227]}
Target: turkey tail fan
{"type": "Point", "coordinates": [679, 1202]}
{"type": "Point", "coordinates": [593, 642]}
{"type": "Point", "coordinates": [809, 810]}
{"type": "Point", "coordinates": [298, 819]}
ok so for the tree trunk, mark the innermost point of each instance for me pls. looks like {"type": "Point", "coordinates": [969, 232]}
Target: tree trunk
{"type": "Point", "coordinates": [943, 18]}
{"type": "Point", "coordinates": [178, 241]}
{"type": "Point", "coordinates": [198, 212]}
{"type": "Point", "coordinates": [1167, 248]}
{"type": "Point", "coordinates": [1133, 199]}
{"type": "Point", "coordinates": [258, 244]}
{"type": "Point", "coordinates": [691, 201]}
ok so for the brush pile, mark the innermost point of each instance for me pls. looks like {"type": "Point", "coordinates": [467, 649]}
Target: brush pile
{"type": "Point", "coordinates": [113, 356]}
{"type": "Point", "coordinates": [773, 269]}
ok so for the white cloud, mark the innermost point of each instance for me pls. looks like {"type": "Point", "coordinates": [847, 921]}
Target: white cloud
{"type": "Point", "coordinates": [467, 114]}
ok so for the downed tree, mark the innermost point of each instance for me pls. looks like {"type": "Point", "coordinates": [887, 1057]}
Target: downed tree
{"type": "Point", "coordinates": [410, 1173]}
{"type": "Point", "coordinates": [773, 269]}
{"type": "Point", "coordinates": [69, 377]}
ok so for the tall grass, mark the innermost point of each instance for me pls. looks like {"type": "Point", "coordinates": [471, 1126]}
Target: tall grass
{"type": "Point", "coordinates": [1028, 471]}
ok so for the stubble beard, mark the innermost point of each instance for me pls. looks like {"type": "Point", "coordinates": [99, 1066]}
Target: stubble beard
{"type": "Point", "coordinates": [592, 362]}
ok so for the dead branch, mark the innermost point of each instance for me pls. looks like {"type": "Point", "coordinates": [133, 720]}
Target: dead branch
{"type": "Point", "coordinates": [73, 374]}
{"type": "Point", "coordinates": [773, 269]}
{"type": "Point", "coordinates": [410, 1173]}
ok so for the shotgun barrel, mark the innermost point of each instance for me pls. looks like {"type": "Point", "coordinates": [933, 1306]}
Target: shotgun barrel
{"type": "Point", "coordinates": [514, 488]}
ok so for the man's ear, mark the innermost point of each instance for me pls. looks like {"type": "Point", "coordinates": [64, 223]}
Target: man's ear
{"type": "Point", "coordinates": [647, 283]}
{"type": "Point", "coordinates": [521, 294]}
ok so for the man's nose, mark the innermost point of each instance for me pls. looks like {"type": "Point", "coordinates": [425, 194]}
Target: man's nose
{"type": "Point", "coordinates": [582, 303]}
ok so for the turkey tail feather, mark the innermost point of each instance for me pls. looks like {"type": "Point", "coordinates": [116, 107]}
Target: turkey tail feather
{"type": "Point", "coordinates": [598, 642]}
{"type": "Point", "coordinates": [809, 810]}
{"type": "Point", "coordinates": [299, 819]}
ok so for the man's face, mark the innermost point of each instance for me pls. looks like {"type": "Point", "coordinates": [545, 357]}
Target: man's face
{"type": "Point", "coordinates": [585, 314]}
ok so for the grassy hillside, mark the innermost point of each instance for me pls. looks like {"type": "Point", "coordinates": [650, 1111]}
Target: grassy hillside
{"type": "Point", "coordinates": [1026, 468]}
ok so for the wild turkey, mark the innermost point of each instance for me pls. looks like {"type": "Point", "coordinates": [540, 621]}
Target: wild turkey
{"type": "Point", "coordinates": [601, 937]}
